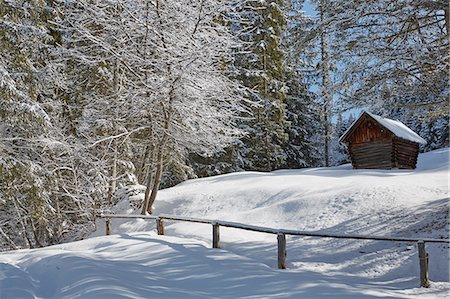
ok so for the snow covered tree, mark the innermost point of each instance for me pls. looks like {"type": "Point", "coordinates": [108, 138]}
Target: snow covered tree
{"type": "Point", "coordinates": [40, 189]}
{"type": "Point", "coordinates": [152, 75]}
{"type": "Point", "coordinates": [339, 153]}
{"type": "Point", "coordinates": [258, 66]}
{"type": "Point", "coordinates": [196, 99]}
{"type": "Point", "coordinates": [392, 55]}
{"type": "Point", "coordinates": [97, 55]}
{"type": "Point", "coordinates": [303, 111]}
{"type": "Point", "coordinates": [314, 45]}
{"type": "Point", "coordinates": [302, 115]}
{"type": "Point", "coordinates": [26, 133]}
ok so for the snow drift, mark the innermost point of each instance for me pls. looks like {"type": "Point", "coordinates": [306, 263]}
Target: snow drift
{"type": "Point", "coordinates": [134, 264]}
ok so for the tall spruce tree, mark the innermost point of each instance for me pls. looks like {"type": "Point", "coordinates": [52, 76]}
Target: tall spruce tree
{"type": "Point", "coordinates": [259, 66]}
{"type": "Point", "coordinates": [303, 111]}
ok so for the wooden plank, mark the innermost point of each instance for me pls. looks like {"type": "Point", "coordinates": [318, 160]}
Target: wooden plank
{"type": "Point", "coordinates": [187, 219]}
{"type": "Point", "coordinates": [126, 216]}
{"type": "Point", "coordinates": [406, 153]}
{"type": "Point", "coordinates": [372, 152]}
{"type": "Point", "coordinates": [362, 237]}
{"type": "Point", "coordinates": [372, 147]}
{"type": "Point", "coordinates": [409, 160]}
{"type": "Point", "coordinates": [281, 251]}
{"type": "Point", "coordinates": [292, 232]}
{"type": "Point", "coordinates": [374, 163]}
{"type": "Point", "coordinates": [253, 228]}
{"type": "Point", "coordinates": [386, 155]}
{"type": "Point", "coordinates": [372, 155]}
{"type": "Point", "coordinates": [108, 226]}
{"type": "Point", "coordinates": [358, 150]}
{"type": "Point", "coordinates": [423, 263]}
{"type": "Point", "coordinates": [380, 159]}
{"type": "Point", "coordinates": [361, 165]}
{"type": "Point", "coordinates": [160, 226]}
{"type": "Point", "coordinates": [216, 235]}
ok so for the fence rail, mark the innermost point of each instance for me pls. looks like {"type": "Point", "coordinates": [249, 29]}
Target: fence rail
{"type": "Point", "coordinates": [281, 236]}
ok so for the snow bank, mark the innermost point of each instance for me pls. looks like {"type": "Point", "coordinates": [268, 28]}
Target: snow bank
{"type": "Point", "coordinates": [142, 265]}
{"type": "Point", "coordinates": [408, 203]}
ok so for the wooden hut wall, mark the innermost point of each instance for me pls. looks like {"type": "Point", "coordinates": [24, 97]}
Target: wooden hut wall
{"type": "Point", "coordinates": [370, 146]}
{"type": "Point", "coordinates": [371, 155]}
{"type": "Point", "coordinates": [405, 153]}
{"type": "Point", "coordinates": [369, 130]}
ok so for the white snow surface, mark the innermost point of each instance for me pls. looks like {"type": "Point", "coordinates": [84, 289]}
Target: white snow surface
{"type": "Point", "coordinates": [136, 263]}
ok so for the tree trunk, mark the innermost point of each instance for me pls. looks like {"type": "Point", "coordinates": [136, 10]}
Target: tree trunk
{"type": "Point", "coordinates": [326, 96]}
{"type": "Point", "coordinates": [161, 148]}
{"type": "Point", "coordinates": [140, 171]}
{"type": "Point", "coordinates": [112, 182]}
{"type": "Point", "coordinates": [12, 245]}
{"type": "Point", "coordinates": [35, 233]}
{"type": "Point", "coordinates": [447, 20]}
{"type": "Point", "coordinates": [266, 116]}
{"type": "Point", "coordinates": [22, 224]}
{"type": "Point", "coordinates": [167, 112]}
{"type": "Point", "coordinates": [156, 180]}
{"type": "Point", "coordinates": [145, 205]}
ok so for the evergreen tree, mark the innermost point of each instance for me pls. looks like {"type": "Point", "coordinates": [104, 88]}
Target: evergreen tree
{"type": "Point", "coordinates": [301, 148]}
{"type": "Point", "coordinates": [258, 65]}
{"type": "Point", "coordinates": [42, 192]}
{"type": "Point", "coordinates": [339, 151]}
{"type": "Point", "coordinates": [303, 110]}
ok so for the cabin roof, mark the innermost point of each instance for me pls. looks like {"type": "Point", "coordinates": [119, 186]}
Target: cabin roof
{"type": "Point", "coordinates": [396, 127]}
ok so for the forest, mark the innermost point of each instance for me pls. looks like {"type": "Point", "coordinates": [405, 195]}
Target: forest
{"type": "Point", "coordinates": [99, 94]}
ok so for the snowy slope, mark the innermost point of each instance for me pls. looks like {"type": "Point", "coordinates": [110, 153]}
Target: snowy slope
{"type": "Point", "coordinates": [339, 199]}
{"type": "Point", "coordinates": [142, 265]}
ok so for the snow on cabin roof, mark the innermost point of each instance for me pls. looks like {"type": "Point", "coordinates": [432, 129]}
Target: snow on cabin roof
{"type": "Point", "coordinates": [395, 126]}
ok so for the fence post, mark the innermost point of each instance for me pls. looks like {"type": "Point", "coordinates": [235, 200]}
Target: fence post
{"type": "Point", "coordinates": [108, 226]}
{"type": "Point", "coordinates": [160, 226]}
{"type": "Point", "coordinates": [281, 251]}
{"type": "Point", "coordinates": [216, 235]}
{"type": "Point", "coordinates": [423, 260]}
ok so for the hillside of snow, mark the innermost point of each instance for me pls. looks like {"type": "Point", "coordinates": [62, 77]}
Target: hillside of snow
{"type": "Point", "coordinates": [138, 264]}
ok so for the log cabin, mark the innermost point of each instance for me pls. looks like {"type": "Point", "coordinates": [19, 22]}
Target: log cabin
{"type": "Point", "coordinates": [375, 142]}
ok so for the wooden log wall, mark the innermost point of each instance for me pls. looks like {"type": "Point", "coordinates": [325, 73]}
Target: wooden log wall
{"type": "Point", "coordinates": [405, 153]}
{"type": "Point", "coordinates": [371, 146]}
{"type": "Point", "coordinates": [372, 155]}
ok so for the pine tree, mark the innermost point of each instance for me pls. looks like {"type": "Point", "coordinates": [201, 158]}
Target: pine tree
{"type": "Point", "coordinates": [303, 110]}
{"type": "Point", "coordinates": [258, 66]}
{"type": "Point", "coordinates": [41, 190]}
{"type": "Point", "coordinates": [338, 151]}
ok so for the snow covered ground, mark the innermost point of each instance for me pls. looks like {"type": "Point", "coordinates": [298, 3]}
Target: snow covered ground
{"type": "Point", "coordinates": [138, 264]}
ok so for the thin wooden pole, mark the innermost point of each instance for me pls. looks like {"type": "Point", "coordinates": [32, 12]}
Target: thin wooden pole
{"type": "Point", "coordinates": [216, 235]}
{"type": "Point", "coordinates": [423, 260]}
{"type": "Point", "coordinates": [281, 251]}
{"type": "Point", "coordinates": [160, 226]}
{"type": "Point", "coordinates": [108, 226]}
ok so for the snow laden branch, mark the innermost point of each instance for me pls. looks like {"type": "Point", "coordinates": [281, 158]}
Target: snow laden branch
{"type": "Point", "coordinates": [153, 83]}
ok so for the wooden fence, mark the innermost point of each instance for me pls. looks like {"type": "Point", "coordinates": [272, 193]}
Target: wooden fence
{"type": "Point", "coordinates": [281, 236]}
